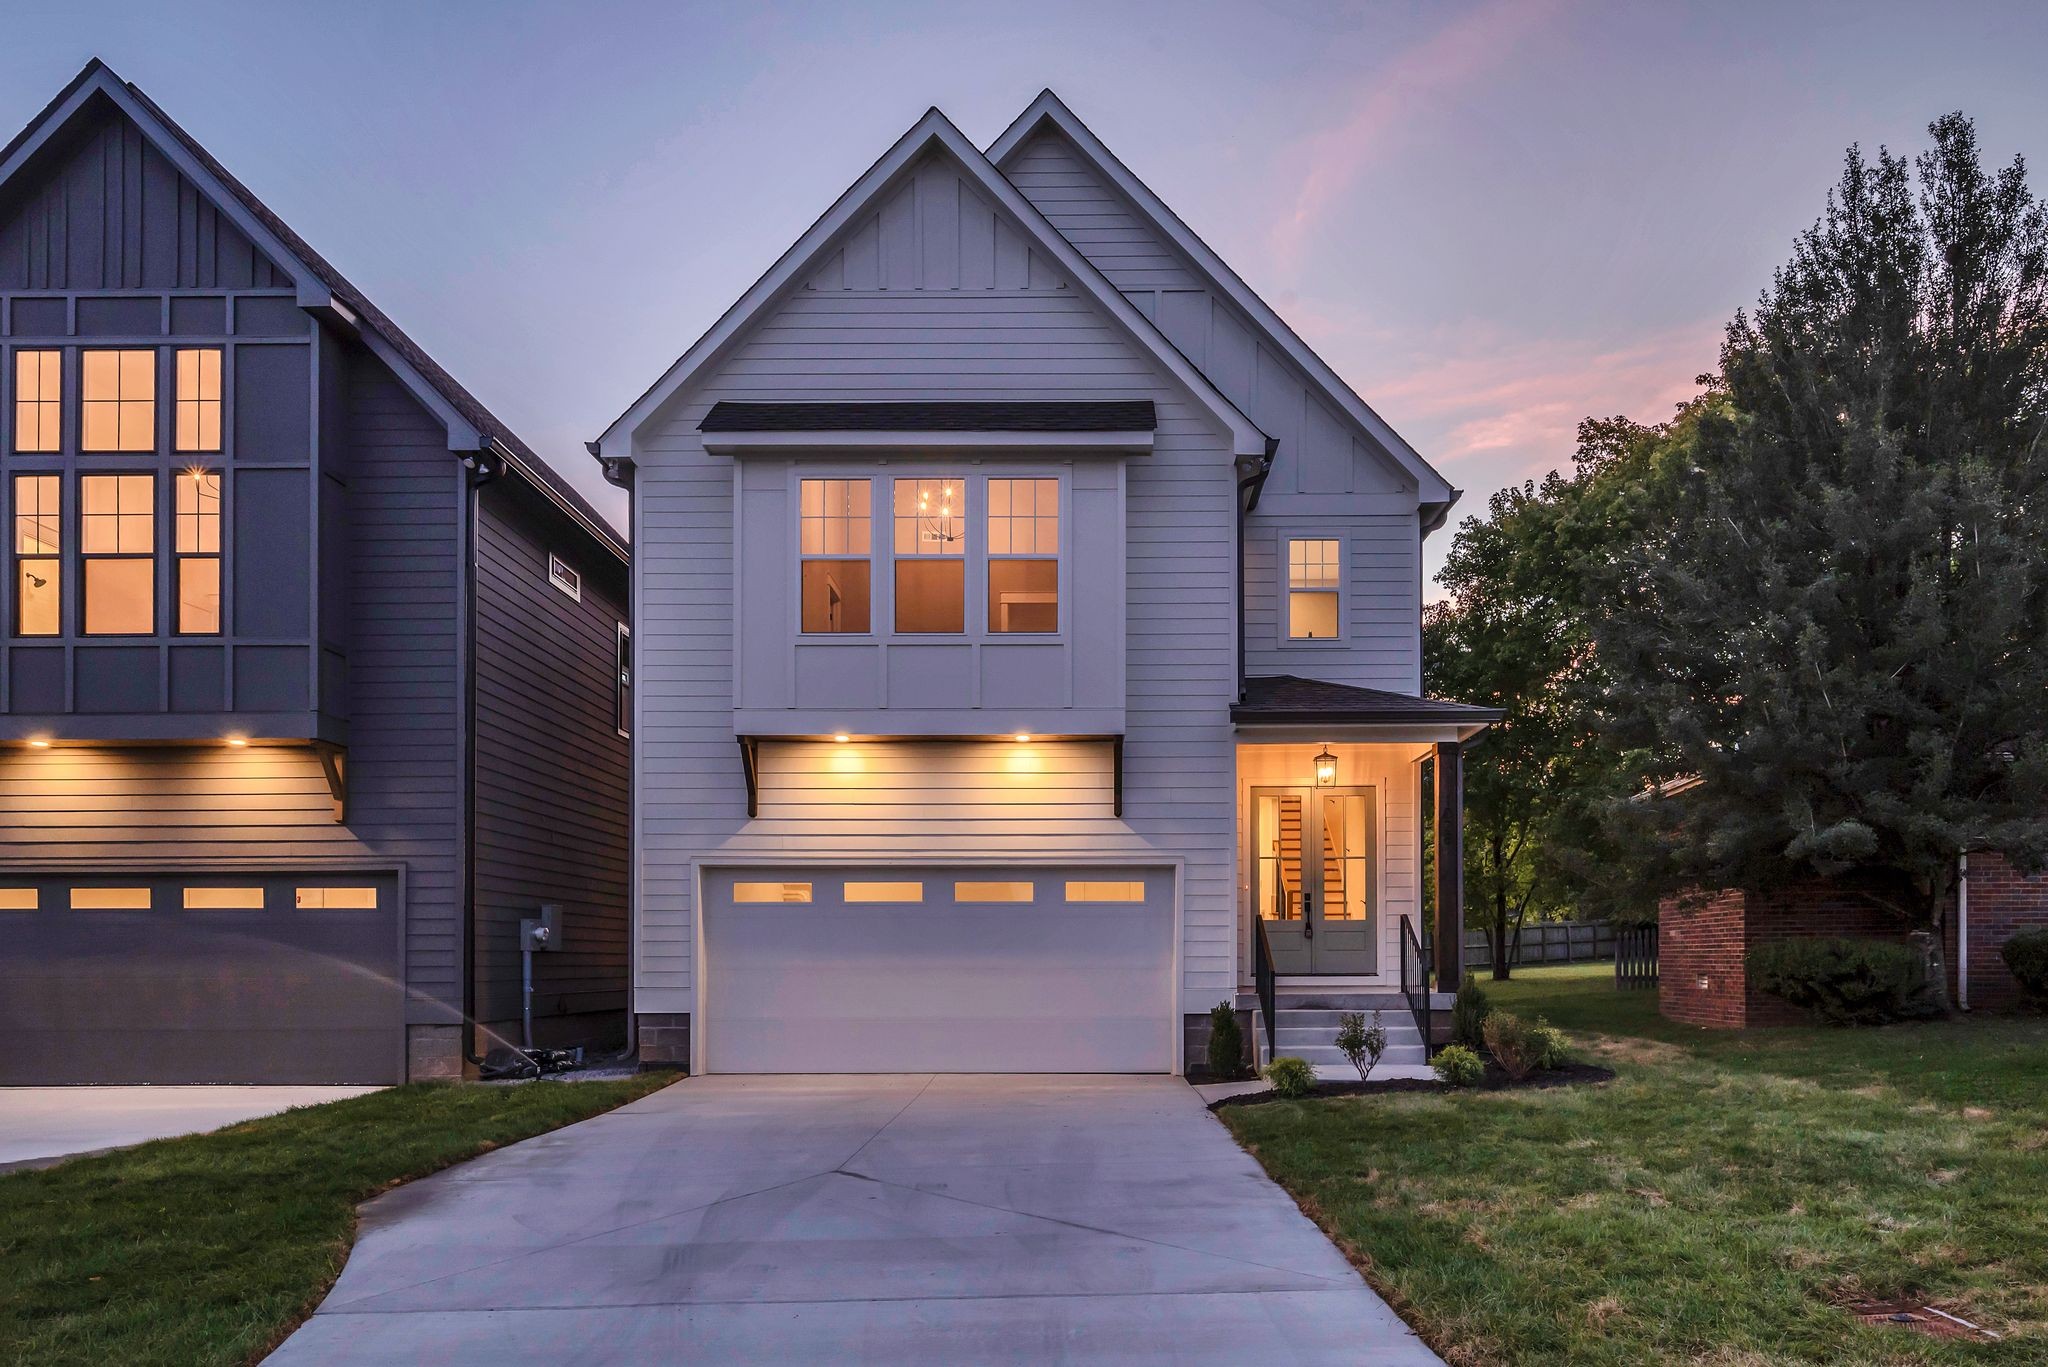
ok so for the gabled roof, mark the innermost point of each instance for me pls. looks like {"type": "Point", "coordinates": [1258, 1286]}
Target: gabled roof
{"type": "Point", "coordinates": [471, 426]}
{"type": "Point", "coordinates": [1049, 110]}
{"type": "Point", "coordinates": [932, 132]}
{"type": "Point", "coordinates": [1286, 698]}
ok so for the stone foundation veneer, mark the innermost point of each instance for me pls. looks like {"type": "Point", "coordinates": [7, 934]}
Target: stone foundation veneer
{"type": "Point", "coordinates": [665, 1040]}
{"type": "Point", "coordinates": [433, 1053]}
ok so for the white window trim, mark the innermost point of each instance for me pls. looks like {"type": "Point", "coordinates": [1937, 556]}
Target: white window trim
{"type": "Point", "coordinates": [557, 568]}
{"type": "Point", "coordinates": [1284, 578]}
{"type": "Point", "coordinates": [621, 672]}
{"type": "Point", "coordinates": [878, 482]}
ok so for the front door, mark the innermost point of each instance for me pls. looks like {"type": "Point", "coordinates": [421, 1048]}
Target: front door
{"type": "Point", "coordinates": [1313, 878]}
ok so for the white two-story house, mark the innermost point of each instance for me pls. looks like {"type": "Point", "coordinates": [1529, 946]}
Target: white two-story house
{"type": "Point", "coordinates": [1029, 644]}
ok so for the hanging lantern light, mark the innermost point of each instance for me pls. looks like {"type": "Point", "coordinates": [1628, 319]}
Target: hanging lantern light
{"type": "Point", "coordinates": [1326, 769]}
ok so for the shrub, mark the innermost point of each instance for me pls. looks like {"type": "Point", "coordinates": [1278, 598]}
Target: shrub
{"type": "Point", "coordinates": [1291, 1076]}
{"type": "Point", "coordinates": [1556, 1048]}
{"type": "Point", "coordinates": [1362, 1044]}
{"type": "Point", "coordinates": [1468, 1013]}
{"type": "Point", "coordinates": [1458, 1066]}
{"type": "Point", "coordinates": [1226, 1042]}
{"type": "Point", "coordinates": [1514, 1043]}
{"type": "Point", "coordinates": [1847, 982]}
{"type": "Point", "coordinates": [2026, 954]}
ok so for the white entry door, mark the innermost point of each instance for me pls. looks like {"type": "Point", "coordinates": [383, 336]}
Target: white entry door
{"type": "Point", "coordinates": [958, 970]}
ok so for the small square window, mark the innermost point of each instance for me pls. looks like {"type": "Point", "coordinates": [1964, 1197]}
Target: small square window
{"type": "Point", "coordinates": [117, 408]}
{"type": "Point", "coordinates": [564, 578]}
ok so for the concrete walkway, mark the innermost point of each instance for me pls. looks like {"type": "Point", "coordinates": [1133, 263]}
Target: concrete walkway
{"type": "Point", "coordinates": [39, 1125]}
{"type": "Point", "coordinates": [888, 1220]}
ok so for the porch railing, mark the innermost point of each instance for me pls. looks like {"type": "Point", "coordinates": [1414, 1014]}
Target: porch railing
{"type": "Point", "coordinates": [1415, 985]}
{"type": "Point", "coordinates": [1262, 977]}
{"type": "Point", "coordinates": [1635, 956]}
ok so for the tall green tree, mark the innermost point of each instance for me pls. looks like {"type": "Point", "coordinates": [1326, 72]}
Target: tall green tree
{"type": "Point", "coordinates": [1836, 616]}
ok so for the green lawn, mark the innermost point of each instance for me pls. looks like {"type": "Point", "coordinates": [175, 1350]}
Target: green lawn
{"type": "Point", "coordinates": [209, 1249]}
{"type": "Point", "coordinates": [1709, 1205]}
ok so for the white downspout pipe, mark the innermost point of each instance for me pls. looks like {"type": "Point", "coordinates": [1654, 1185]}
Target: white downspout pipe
{"type": "Point", "coordinates": [1963, 931]}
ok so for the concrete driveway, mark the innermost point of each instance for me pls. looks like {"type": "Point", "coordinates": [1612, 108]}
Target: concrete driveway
{"type": "Point", "coordinates": [39, 1125]}
{"type": "Point", "coordinates": [875, 1220]}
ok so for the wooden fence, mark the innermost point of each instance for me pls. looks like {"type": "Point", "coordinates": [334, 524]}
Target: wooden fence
{"type": "Point", "coordinates": [1546, 942]}
{"type": "Point", "coordinates": [1635, 957]}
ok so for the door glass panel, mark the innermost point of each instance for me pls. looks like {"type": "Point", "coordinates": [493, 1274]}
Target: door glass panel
{"type": "Point", "coordinates": [1280, 825]}
{"type": "Point", "coordinates": [1346, 844]}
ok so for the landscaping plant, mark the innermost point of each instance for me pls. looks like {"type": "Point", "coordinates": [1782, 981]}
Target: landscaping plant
{"type": "Point", "coordinates": [1844, 981]}
{"type": "Point", "coordinates": [1362, 1044]}
{"type": "Point", "coordinates": [1226, 1043]}
{"type": "Point", "coordinates": [1458, 1066]}
{"type": "Point", "coordinates": [1291, 1076]}
{"type": "Point", "coordinates": [1468, 1013]}
{"type": "Point", "coordinates": [1514, 1044]}
{"type": "Point", "coordinates": [2026, 954]}
{"type": "Point", "coordinates": [1555, 1047]}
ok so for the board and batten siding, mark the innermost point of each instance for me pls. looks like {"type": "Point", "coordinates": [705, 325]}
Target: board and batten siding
{"type": "Point", "coordinates": [942, 333]}
{"type": "Point", "coordinates": [1328, 478]}
{"type": "Point", "coordinates": [553, 774]}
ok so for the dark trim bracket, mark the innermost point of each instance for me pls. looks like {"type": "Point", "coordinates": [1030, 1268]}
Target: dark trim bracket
{"type": "Point", "coordinates": [334, 764]}
{"type": "Point", "coordinates": [750, 763]}
{"type": "Point", "coordinates": [1116, 775]}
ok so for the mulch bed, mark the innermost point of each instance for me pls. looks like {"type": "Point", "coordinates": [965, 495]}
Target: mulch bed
{"type": "Point", "coordinates": [1497, 1080]}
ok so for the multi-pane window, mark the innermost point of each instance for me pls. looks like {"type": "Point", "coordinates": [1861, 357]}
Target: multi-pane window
{"type": "Point", "coordinates": [931, 555]}
{"type": "Point", "coordinates": [837, 543]}
{"type": "Point", "coordinates": [198, 399]}
{"type": "Point", "coordinates": [1023, 555]}
{"type": "Point", "coordinates": [197, 548]}
{"type": "Point", "coordinates": [38, 401]}
{"type": "Point", "coordinates": [117, 538]}
{"type": "Point", "coordinates": [1312, 579]}
{"type": "Point", "coordinates": [117, 401]}
{"type": "Point", "coordinates": [38, 555]}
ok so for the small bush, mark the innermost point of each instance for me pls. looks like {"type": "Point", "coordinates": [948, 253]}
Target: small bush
{"type": "Point", "coordinates": [1226, 1043]}
{"type": "Point", "coordinates": [1468, 1013]}
{"type": "Point", "coordinates": [1362, 1044]}
{"type": "Point", "coordinates": [1556, 1048]}
{"type": "Point", "coordinates": [2026, 954]}
{"type": "Point", "coordinates": [1458, 1065]}
{"type": "Point", "coordinates": [1291, 1076]}
{"type": "Point", "coordinates": [1514, 1044]}
{"type": "Point", "coordinates": [1847, 982]}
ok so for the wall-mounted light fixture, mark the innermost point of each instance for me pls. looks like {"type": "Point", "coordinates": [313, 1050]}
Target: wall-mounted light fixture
{"type": "Point", "coordinates": [1326, 769]}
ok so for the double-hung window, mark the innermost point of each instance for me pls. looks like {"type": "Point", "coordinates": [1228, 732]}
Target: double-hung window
{"type": "Point", "coordinates": [38, 401]}
{"type": "Point", "coordinates": [1023, 555]}
{"type": "Point", "coordinates": [198, 400]}
{"type": "Point", "coordinates": [117, 401]}
{"type": "Point", "coordinates": [931, 555]}
{"type": "Point", "coordinates": [197, 548]}
{"type": "Point", "coordinates": [38, 555]}
{"type": "Point", "coordinates": [117, 538]}
{"type": "Point", "coordinates": [837, 547]}
{"type": "Point", "coordinates": [1313, 569]}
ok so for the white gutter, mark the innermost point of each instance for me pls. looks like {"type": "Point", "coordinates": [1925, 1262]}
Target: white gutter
{"type": "Point", "coordinates": [1963, 931]}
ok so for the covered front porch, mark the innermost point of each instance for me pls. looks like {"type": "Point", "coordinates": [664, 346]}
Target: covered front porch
{"type": "Point", "coordinates": [1344, 794]}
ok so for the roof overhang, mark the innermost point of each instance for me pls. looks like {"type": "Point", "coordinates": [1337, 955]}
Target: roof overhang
{"type": "Point", "coordinates": [933, 132]}
{"type": "Point", "coordinates": [1298, 732]}
{"type": "Point", "coordinates": [1079, 428]}
{"type": "Point", "coordinates": [929, 439]}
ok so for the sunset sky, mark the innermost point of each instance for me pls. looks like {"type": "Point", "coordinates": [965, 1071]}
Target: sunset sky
{"type": "Point", "coordinates": [1492, 218]}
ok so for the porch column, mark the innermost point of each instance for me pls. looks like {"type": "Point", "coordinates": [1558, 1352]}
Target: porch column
{"type": "Point", "coordinates": [1449, 950]}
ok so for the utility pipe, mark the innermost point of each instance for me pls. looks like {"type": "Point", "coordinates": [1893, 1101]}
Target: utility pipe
{"type": "Point", "coordinates": [1963, 931]}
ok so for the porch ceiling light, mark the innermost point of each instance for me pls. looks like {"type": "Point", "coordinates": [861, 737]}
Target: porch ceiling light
{"type": "Point", "coordinates": [1326, 769]}
{"type": "Point", "coordinates": [841, 737]}
{"type": "Point", "coordinates": [39, 745]}
{"type": "Point", "coordinates": [1023, 737]}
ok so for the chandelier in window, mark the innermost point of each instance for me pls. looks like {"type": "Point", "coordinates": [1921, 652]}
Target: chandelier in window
{"type": "Point", "coordinates": [938, 525]}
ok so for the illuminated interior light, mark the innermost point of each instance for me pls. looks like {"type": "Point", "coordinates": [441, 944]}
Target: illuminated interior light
{"type": "Point", "coordinates": [841, 737]}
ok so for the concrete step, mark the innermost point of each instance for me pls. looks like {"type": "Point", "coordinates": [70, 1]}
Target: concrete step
{"type": "Point", "coordinates": [1329, 1056]}
{"type": "Point", "coordinates": [1320, 1017]}
{"type": "Point", "coordinates": [1285, 1034]}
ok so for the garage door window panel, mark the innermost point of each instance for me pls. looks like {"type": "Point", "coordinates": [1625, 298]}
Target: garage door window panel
{"type": "Point", "coordinates": [223, 899]}
{"type": "Point", "coordinates": [337, 898]}
{"type": "Point", "coordinates": [110, 899]}
{"type": "Point", "coordinates": [993, 892]}
{"type": "Point", "coordinates": [19, 899]}
{"type": "Point", "coordinates": [771, 892]}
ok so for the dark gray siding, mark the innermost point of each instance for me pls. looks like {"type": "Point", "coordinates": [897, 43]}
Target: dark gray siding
{"type": "Point", "coordinates": [554, 779]}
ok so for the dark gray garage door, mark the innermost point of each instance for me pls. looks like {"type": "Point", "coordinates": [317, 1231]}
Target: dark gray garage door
{"type": "Point", "coordinates": [275, 978]}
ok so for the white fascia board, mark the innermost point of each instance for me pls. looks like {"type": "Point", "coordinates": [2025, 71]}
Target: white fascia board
{"type": "Point", "coordinates": [933, 130]}
{"type": "Point", "coordinates": [1068, 444]}
{"type": "Point", "coordinates": [1366, 733]}
{"type": "Point", "coordinates": [1048, 108]}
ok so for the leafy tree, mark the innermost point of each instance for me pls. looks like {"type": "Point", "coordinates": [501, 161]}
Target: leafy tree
{"type": "Point", "coordinates": [1835, 615]}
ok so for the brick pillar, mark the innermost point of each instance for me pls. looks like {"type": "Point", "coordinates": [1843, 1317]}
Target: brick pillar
{"type": "Point", "coordinates": [1449, 950]}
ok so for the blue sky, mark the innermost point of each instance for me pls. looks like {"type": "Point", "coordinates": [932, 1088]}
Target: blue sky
{"type": "Point", "coordinates": [1492, 218]}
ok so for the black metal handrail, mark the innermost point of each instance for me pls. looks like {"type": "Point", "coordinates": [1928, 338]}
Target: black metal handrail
{"type": "Point", "coordinates": [1415, 985]}
{"type": "Point", "coordinates": [1262, 977]}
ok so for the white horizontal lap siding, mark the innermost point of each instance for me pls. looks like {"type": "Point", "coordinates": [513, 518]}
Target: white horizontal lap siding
{"type": "Point", "coordinates": [929, 301]}
{"type": "Point", "coordinates": [1382, 611]}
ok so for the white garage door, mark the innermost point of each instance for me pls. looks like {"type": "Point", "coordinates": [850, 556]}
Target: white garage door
{"type": "Point", "coordinates": [996, 970]}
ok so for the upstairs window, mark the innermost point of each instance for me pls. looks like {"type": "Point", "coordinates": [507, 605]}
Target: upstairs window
{"type": "Point", "coordinates": [622, 701]}
{"type": "Point", "coordinates": [197, 550]}
{"type": "Point", "coordinates": [564, 578]}
{"type": "Point", "coordinates": [1312, 580]}
{"type": "Point", "coordinates": [1023, 555]}
{"type": "Point", "coordinates": [117, 536]}
{"type": "Point", "coordinates": [38, 555]}
{"type": "Point", "coordinates": [931, 555]}
{"type": "Point", "coordinates": [836, 550]}
{"type": "Point", "coordinates": [117, 409]}
{"type": "Point", "coordinates": [198, 400]}
{"type": "Point", "coordinates": [38, 401]}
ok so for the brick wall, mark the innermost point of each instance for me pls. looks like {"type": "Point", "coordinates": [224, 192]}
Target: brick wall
{"type": "Point", "coordinates": [1703, 941]}
{"type": "Point", "coordinates": [665, 1040]}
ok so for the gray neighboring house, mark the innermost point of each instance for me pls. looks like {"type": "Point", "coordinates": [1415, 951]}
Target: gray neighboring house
{"type": "Point", "coordinates": [314, 679]}
{"type": "Point", "coordinates": [1031, 646]}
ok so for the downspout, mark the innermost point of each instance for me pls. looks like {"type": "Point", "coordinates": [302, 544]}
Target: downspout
{"type": "Point", "coordinates": [1963, 931]}
{"type": "Point", "coordinates": [476, 472]}
{"type": "Point", "coordinates": [1254, 471]}
{"type": "Point", "coordinates": [618, 471]}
